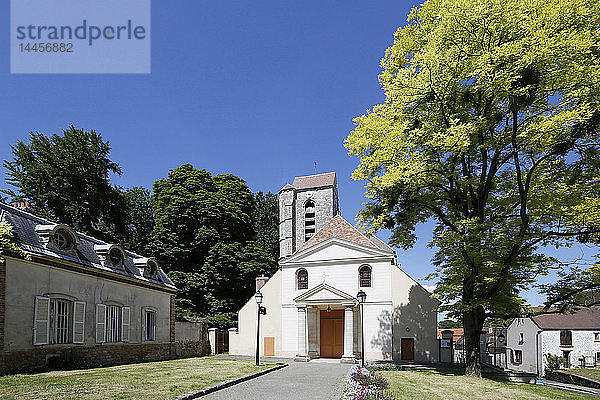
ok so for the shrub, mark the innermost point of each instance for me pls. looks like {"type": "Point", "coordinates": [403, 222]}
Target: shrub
{"type": "Point", "coordinates": [554, 362]}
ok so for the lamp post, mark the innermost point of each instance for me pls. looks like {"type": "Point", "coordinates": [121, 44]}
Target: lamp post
{"type": "Point", "coordinates": [362, 296]}
{"type": "Point", "coordinates": [259, 298]}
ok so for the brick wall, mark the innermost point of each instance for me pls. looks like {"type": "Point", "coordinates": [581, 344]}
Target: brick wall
{"type": "Point", "coordinates": [69, 356]}
{"type": "Point", "coordinates": [2, 301]}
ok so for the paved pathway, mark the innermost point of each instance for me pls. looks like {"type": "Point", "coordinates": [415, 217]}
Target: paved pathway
{"type": "Point", "coordinates": [313, 380]}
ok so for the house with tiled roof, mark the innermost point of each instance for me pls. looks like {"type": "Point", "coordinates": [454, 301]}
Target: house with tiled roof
{"type": "Point", "coordinates": [68, 297]}
{"type": "Point", "coordinates": [312, 303]}
{"type": "Point", "coordinates": [573, 336]}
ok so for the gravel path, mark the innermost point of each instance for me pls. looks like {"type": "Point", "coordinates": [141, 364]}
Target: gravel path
{"type": "Point", "coordinates": [312, 380]}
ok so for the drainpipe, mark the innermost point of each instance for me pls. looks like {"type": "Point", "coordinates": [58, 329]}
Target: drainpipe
{"type": "Point", "coordinates": [537, 353]}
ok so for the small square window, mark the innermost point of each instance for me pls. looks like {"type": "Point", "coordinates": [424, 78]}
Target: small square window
{"type": "Point", "coordinates": [596, 336]}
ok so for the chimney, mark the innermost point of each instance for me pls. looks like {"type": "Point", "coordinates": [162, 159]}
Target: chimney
{"type": "Point", "coordinates": [24, 205]}
{"type": "Point", "coordinates": [260, 281]}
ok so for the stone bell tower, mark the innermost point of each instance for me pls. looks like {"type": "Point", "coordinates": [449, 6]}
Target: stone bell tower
{"type": "Point", "coordinates": [305, 207]}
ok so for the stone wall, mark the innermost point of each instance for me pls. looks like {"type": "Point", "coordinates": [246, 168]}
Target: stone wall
{"type": "Point", "coordinates": [75, 357]}
{"type": "Point", "coordinates": [191, 339]}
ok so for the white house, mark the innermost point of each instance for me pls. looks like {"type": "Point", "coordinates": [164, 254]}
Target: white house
{"type": "Point", "coordinates": [79, 298]}
{"type": "Point", "coordinates": [311, 301]}
{"type": "Point", "coordinates": [576, 337]}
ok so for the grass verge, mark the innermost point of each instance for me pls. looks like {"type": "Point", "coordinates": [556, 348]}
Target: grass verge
{"type": "Point", "coordinates": [160, 380]}
{"type": "Point", "coordinates": [592, 373]}
{"type": "Point", "coordinates": [443, 385]}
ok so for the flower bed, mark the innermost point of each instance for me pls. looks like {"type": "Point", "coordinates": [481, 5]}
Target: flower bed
{"type": "Point", "coordinates": [362, 384]}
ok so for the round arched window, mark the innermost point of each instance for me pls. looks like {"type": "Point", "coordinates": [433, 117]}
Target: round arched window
{"type": "Point", "coordinates": [116, 257]}
{"type": "Point", "coordinates": [61, 240]}
{"type": "Point", "coordinates": [302, 278]}
{"type": "Point", "coordinates": [364, 275]}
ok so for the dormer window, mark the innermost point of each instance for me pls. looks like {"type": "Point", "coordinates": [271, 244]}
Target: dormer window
{"type": "Point", "coordinates": [110, 255]}
{"type": "Point", "coordinates": [61, 241]}
{"type": "Point", "coordinates": [148, 267]}
{"type": "Point", "coordinates": [58, 237]}
{"type": "Point", "coordinates": [116, 257]}
{"type": "Point", "coordinates": [309, 220]}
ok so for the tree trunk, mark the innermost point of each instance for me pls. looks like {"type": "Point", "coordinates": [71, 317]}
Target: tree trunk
{"type": "Point", "coordinates": [473, 325]}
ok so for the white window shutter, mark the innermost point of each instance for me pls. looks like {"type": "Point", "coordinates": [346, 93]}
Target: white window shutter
{"type": "Point", "coordinates": [79, 322]}
{"type": "Point", "coordinates": [100, 323]}
{"type": "Point", "coordinates": [41, 323]}
{"type": "Point", "coordinates": [125, 324]}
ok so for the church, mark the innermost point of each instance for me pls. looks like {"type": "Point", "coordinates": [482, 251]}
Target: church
{"type": "Point", "coordinates": [313, 306]}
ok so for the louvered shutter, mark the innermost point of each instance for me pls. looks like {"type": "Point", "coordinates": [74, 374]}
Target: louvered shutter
{"type": "Point", "coordinates": [125, 324]}
{"type": "Point", "coordinates": [100, 323]}
{"type": "Point", "coordinates": [41, 323]}
{"type": "Point", "coordinates": [79, 322]}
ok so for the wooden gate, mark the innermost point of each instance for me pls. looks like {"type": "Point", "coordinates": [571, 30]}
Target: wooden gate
{"type": "Point", "coordinates": [222, 342]}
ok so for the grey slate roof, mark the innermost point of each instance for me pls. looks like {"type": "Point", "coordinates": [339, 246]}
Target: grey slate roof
{"type": "Point", "coordinates": [27, 239]}
{"type": "Point", "coordinates": [584, 318]}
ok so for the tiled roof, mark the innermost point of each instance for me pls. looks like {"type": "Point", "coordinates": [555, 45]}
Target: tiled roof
{"type": "Point", "coordinates": [585, 318]}
{"type": "Point", "coordinates": [457, 333]}
{"type": "Point", "coordinates": [27, 239]}
{"type": "Point", "coordinates": [314, 181]}
{"type": "Point", "coordinates": [338, 227]}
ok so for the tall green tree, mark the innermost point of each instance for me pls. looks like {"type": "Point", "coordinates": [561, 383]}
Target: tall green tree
{"type": "Point", "coordinates": [266, 222]}
{"type": "Point", "coordinates": [204, 236]}
{"type": "Point", "coordinates": [490, 128]}
{"type": "Point", "coordinates": [67, 178]}
{"type": "Point", "coordinates": [140, 219]}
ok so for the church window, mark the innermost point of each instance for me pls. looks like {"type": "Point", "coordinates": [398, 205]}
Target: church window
{"type": "Point", "coordinates": [309, 220]}
{"type": "Point", "coordinates": [364, 274]}
{"type": "Point", "coordinates": [302, 278]}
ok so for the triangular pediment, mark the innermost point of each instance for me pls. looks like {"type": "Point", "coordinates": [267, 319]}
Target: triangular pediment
{"type": "Point", "coordinates": [335, 249]}
{"type": "Point", "coordinates": [324, 294]}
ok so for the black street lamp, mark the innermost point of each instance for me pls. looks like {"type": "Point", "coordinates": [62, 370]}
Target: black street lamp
{"type": "Point", "coordinates": [362, 296]}
{"type": "Point", "coordinates": [261, 310]}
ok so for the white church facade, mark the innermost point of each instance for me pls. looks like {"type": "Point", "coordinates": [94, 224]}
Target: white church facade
{"type": "Point", "coordinates": [311, 301]}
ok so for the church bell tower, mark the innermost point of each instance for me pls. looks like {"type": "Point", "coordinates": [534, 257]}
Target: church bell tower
{"type": "Point", "coordinates": [305, 206]}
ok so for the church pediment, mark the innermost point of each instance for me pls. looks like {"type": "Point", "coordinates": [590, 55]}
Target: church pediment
{"type": "Point", "coordinates": [324, 294]}
{"type": "Point", "coordinates": [335, 249]}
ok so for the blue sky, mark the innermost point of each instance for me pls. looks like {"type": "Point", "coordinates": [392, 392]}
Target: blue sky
{"type": "Point", "coordinates": [261, 90]}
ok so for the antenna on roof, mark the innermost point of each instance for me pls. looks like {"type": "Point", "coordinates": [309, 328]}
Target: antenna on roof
{"type": "Point", "coordinates": [315, 167]}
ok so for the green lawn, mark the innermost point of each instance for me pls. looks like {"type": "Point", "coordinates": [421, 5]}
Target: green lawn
{"type": "Point", "coordinates": [592, 373]}
{"type": "Point", "coordinates": [155, 380]}
{"type": "Point", "coordinates": [444, 385]}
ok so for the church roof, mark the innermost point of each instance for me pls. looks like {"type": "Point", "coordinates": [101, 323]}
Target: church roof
{"type": "Point", "coordinates": [314, 181]}
{"type": "Point", "coordinates": [338, 227]}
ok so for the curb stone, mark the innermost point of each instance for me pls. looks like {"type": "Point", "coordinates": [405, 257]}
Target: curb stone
{"type": "Point", "coordinates": [202, 392]}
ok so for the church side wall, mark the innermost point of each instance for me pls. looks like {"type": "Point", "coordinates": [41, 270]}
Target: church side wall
{"type": "Point", "coordinates": [413, 317]}
{"type": "Point", "coordinates": [243, 341]}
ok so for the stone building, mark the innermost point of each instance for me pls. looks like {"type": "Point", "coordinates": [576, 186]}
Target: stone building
{"type": "Point", "coordinates": [79, 300]}
{"type": "Point", "coordinates": [312, 308]}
